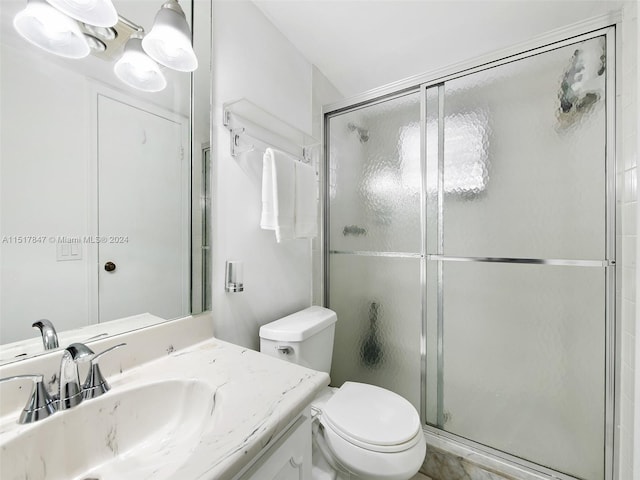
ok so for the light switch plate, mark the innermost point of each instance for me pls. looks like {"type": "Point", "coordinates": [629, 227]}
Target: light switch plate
{"type": "Point", "coordinates": [68, 251]}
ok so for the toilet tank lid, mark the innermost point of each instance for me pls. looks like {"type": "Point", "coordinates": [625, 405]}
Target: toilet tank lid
{"type": "Point", "coordinates": [300, 325]}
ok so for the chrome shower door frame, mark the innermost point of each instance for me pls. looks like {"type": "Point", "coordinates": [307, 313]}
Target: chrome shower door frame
{"type": "Point", "coordinates": [600, 26]}
{"type": "Point", "coordinates": [612, 274]}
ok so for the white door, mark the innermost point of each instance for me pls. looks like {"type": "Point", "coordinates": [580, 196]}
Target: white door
{"type": "Point", "coordinates": [142, 212]}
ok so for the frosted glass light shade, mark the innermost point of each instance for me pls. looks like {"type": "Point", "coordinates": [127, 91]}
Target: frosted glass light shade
{"type": "Point", "coordinates": [169, 41]}
{"type": "Point", "coordinates": [101, 13]}
{"type": "Point", "coordinates": [45, 27]}
{"type": "Point", "coordinates": [137, 70]}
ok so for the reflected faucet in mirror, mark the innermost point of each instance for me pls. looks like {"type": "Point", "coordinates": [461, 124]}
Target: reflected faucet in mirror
{"type": "Point", "coordinates": [48, 332]}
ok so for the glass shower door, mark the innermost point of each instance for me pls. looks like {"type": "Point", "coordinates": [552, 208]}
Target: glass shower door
{"type": "Point", "coordinates": [519, 263]}
{"type": "Point", "coordinates": [470, 254]}
{"type": "Point", "coordinates": [375, 244]}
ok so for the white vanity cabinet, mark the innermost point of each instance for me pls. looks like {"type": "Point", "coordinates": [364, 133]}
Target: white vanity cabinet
{"type": "Point", "coordinates": [289, 458]}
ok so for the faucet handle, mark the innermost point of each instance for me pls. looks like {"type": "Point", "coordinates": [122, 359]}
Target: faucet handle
{"type": "Point", "coordinates": [95, 384]}
{"type": "Point", "coordinates": [48, 332]}
{"type": "Point", "coordinates": [40, 404]}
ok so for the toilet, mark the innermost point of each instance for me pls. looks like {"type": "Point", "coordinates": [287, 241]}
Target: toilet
{"type": "Point", "coordinates": [361, 431]}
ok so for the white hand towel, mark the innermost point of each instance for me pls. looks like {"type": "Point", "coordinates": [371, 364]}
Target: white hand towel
{"type": "Point", "coordinates": [278, 194]}
{"type": "Point", "coordinates": [306, 204]}
{"type": "Point", "coordinates": [268, 217]}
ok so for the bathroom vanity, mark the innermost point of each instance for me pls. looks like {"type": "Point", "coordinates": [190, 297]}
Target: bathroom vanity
{"type": "Point", "coordinates": [209, 410]}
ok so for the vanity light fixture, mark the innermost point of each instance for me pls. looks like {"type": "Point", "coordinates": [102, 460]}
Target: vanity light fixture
{"type": "Point", "coordinates": [74, 28]}
{"type": "Point", "coordinates": [101, 13]}
{"type": "Point", "coordinates": [96, 44]}
{"type": "Point", "coordinates": [136, 69]}
{"type": "Point", "coordinates": [169, 41]}
{"type": "Point", "coordinates": [45, 27]}
{"type": "Point", "coordinates": [103, 33]}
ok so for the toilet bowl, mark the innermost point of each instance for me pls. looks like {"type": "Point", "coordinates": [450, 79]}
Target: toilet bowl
{"type": "Point", "coordinates": [360, 431]}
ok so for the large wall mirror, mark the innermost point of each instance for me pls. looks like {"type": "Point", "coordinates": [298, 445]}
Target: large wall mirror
{"type": "Point", "coordinates": [102, 173]}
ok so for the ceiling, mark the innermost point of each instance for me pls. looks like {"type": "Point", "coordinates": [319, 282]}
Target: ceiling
{"type": "Point", "coordinates": [363, 44]}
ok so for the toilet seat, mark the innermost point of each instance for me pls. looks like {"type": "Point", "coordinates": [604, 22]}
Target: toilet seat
{"type": "Point", "coordinates": [372, 418]}
{"type": "Point", "coordinates": [371, 432]}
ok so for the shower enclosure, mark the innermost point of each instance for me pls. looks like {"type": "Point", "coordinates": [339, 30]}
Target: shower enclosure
{"type": "Point", "coordinates": [470, 253]}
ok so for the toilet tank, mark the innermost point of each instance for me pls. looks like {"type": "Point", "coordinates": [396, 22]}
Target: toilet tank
{"type": "Point", "coordinates": [304, 337]}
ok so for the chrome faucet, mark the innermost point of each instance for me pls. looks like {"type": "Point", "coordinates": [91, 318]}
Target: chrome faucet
{"type": "Point", "coordinates": [71, 391]}
{"type": "Point", "coordinates": [41, 405]}
{"type": "Point", "coordinates": [48, 332]}
{"type": "Point", "coordinates": [70, 387]}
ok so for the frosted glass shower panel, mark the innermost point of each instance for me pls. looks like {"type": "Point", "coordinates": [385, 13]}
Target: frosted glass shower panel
{"type": "Point", "coordinates": [432, 151]}
{"type": "Point", "coordinates": [377, 340]}
{"type": "Point", "coordinates": [524, 157]}
{"type": "Point", "coordinates": [375, 178]}
{"type": "Point", "coordinates": [523, 361]}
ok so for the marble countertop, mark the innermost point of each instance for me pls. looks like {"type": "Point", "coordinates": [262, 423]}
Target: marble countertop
{"type": "Point", "coordinates": [254, 398]}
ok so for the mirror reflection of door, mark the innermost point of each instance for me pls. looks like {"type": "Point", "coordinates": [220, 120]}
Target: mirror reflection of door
{"type": "Point", "coordinates": [142, 233]}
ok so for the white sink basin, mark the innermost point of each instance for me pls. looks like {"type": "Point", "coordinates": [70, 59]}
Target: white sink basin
{"type": "Point", "coordinates": [125, 433]}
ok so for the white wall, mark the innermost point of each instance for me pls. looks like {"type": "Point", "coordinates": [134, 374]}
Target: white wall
{"type": "Point", "coordinates": [629, 434]}
{"type": "Point", "coordinates": [634, 113]}
{"type": "Point", "coordinates": [44, 172]}
{"type": "Point", "coordinates": [252, 59]}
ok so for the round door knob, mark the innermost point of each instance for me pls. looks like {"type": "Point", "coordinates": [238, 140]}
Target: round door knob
{"type": "Point", "coordinates": [109, 266]}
